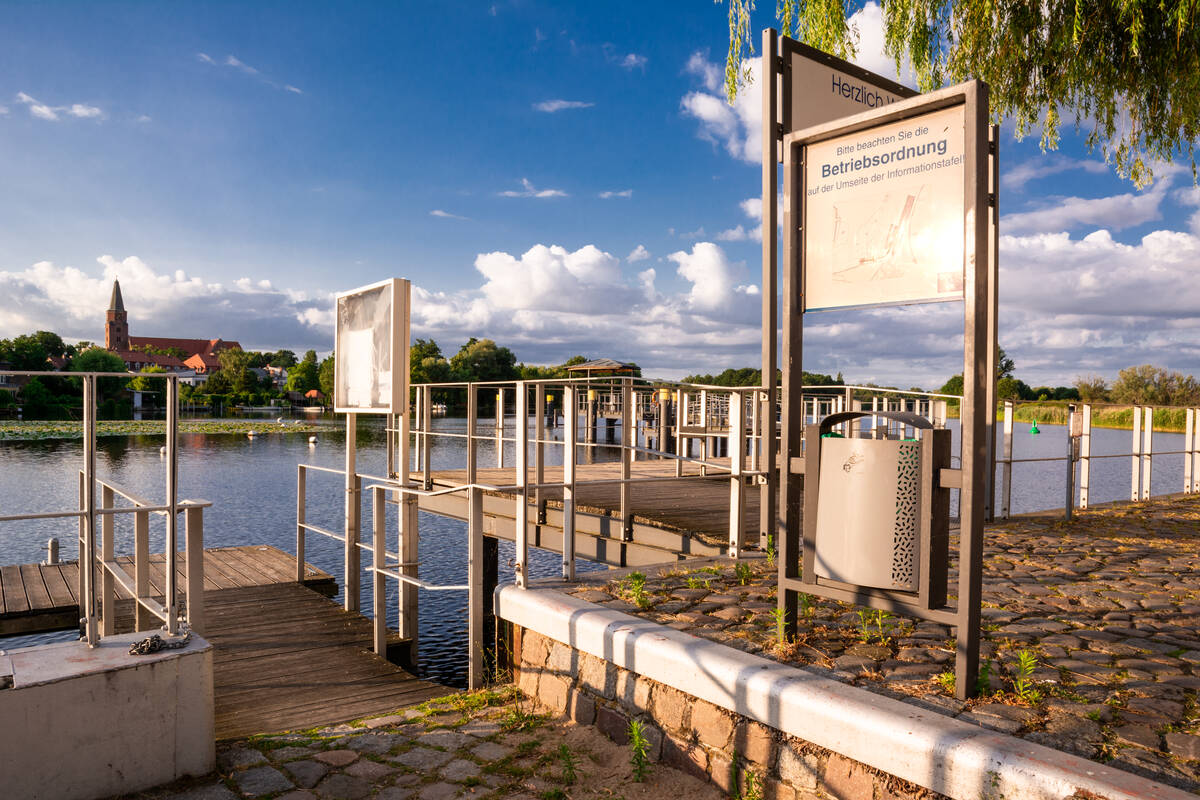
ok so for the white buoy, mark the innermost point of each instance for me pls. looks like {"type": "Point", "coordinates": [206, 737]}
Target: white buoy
{"type": "Point", "coordinates": [312, 439]}
{"type": "Point", "coordinates": [162, 451]}
{"type": "Point", "coordinates": [251, 434]}
{"type": "Point", "coordinates": [280, 420]}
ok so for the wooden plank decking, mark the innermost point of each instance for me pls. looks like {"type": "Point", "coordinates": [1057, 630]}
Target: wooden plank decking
{"type": "Point", "coordinates": [288, 658]}
{"type": "Point", "coordinates": [693, 505]}
{"type": "Point", "coordinates": [284, 655]}
{"type": "Point", "coordinates": [40, 597]}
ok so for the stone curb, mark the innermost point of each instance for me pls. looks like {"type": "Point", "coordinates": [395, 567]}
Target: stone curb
{"type": "Point", "coordinates": [945, 755]}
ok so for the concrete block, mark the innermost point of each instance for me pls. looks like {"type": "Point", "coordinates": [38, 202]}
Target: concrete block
{"type": "Point", "coordinates": [552, 690]}
{"type": "Point", "coordinates": [846, 778]}
{"type": "Point", "coordinates": [755, 742]}
{"type": "Point", "coordinates": [613, 724]}
{"type": "Point", "coordinates": [722, 772]}
{"type": "Point", "coordinates": [598, 676]}
{"type": "Point", "coordinates": [562, 659]}
{"type": "Point", "coordinates": [712, 725]}
{"type": "Point", "coordinates": [101, 722]}
{"type": "Point", "coordinates": [670, 708]}
{"type": "Point", "coordinates": [685, 757]}
{"type": "Point", "coordinates": [581, 708]}
{"type": "Point", "coordinates": [801, 770]}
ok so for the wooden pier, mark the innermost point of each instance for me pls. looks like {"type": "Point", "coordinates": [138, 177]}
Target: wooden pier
{"type": "Point", "coordinates": [285, 656]}
{"type": "Point", "coordinates": [672, 519]}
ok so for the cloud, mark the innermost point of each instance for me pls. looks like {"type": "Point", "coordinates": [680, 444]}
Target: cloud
{"type": "Point", "coordinates": [71, 301]}
{"type": "Point", "coordinates": [233, 62]}
{"type": "Point", "coordinates": [437, 212]}
{"type": "Point", "coordinates": [550, 106]}
{"type": "Point", "coordinates": [1115, 212]}
{"type": "Point", "coordinates": [738, 128]}
{"type": "Point", "coordinates": [633, 61]}
{"type": "Point", "coordinates": [528, 190]}
{"type": "Point", "coordinates": [612, 194]}
{"type": "Point", "coordinates": [3, 110]}
{"type": "Point", "coordinates": [1015, 178]}
{"type": "Point", "coordinates": [868, 22]}
{"type": "Point", "coordinates": [639, 253]}
{"type": "Point", "coordinates": [52, 113]}
{"type": "Point", "coordinates": [712, 276]}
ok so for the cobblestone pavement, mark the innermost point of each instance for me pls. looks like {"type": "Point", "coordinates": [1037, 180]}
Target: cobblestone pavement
{"type": "Point", "coordinates": [486, 744]}
{"type": "Point", "coordinates": [1091, 633]}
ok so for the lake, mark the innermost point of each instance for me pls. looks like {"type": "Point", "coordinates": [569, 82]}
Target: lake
{"type": "Point", "coordinates": [252, 484]}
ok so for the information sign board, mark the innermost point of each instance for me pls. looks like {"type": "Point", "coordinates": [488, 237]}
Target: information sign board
{"type": "Point", "coordinates": [820, 88]}
{"type": "Point", "coordinates": [371, 349]}
{"type": "Point", "coordinates": [883, 213]}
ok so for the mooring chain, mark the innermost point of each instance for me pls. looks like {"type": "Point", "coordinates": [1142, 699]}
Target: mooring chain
{"type": "Point", "coordinates": [155, 643]}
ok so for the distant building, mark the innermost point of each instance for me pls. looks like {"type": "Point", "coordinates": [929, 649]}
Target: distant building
{"type": "Point", "coordinates": [198, 355]}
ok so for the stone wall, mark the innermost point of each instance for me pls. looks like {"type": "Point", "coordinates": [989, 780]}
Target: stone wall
{"type": "Point", "coordinates": [690, 734]}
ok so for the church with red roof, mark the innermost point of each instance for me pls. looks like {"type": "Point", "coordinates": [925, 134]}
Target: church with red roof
{"type": "Point", "coordinates": [139, 352]}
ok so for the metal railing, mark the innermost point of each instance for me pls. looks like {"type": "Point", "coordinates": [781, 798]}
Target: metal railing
{"type": "Point", "coordinates": [1078, 455]}
{"type": "Point", "coordinates": [97, 512]}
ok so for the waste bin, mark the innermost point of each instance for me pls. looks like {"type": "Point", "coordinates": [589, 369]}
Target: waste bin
{"type": "Point", "coordinates": [869, 506]}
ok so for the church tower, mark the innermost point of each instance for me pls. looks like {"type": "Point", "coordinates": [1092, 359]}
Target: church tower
{"type": "Point", "coordinates": [116, 322]}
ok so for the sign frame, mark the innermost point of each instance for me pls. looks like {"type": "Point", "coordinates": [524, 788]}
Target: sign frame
{"type": "Point", "coordinates": [912, 298]}
{"type": "Point", "coordinates": [978, 343]}
{"type": "Point", "coordinates": [394, 399]}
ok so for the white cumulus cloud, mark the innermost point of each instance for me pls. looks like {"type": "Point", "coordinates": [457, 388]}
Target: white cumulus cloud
{"type": "Point", "coordinates": [550, 106]}
{"type": "Point", "coordinates": [529, 190]}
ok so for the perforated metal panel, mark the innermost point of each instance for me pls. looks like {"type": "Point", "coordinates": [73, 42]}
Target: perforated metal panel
{"type": "Point", "coordinates": [868, 513]}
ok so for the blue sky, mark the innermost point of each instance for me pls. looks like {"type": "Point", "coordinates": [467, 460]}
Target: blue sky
{"type": "Point", "coordinates": [563, 178]}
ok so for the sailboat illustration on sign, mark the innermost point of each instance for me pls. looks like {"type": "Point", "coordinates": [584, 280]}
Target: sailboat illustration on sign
{"type": "Point", "coordinates": [881, 248]}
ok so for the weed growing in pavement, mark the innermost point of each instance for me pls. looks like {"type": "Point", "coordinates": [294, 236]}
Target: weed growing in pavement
{"type": "Point", "coordinates": [694, 582]}
{"type": "Point", "coordinates": [983, 681]}
{"type": "Point", "coordinates": [864, 625]}
{"type": "Point", "coordinates": [771, 554]}
{"type": "Point", "coordinates": [780, 617]}
{"type": "Point", "coordinates": [1022, 682]}
{"type": "Point", "coordinates": [743, 573]}
{"type": "Point", "coordinates": [569, 764]}
{"type": "Point", "coordinates": [946, 681]}
{"type": "Point", "coordinates": [518, 720]}
{"type": "Point", "coordinates": [639, 757]}
{"type": "Point", "coordinates": [880, 617]}
{"type": "Point", "coordinates": [806, 604]}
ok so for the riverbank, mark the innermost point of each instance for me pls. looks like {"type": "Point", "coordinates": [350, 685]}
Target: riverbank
{"type": "Point", "coordinates": [1169, 420]}
{"type": "Point", "coordinates": [493, 743]}
{"type": "Point", "coordinates": [1090, 642]}
{"type": "Point", "coordinates": [32, 430]}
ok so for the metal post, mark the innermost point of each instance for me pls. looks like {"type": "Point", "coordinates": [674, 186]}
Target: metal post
{"type": "Point", "coordinates": [993, 302]}
{"type": "Point", "coordinates": [87, 554]}
{"type": "Point", "coordinates": [570, 456]}
{"type": "Point", "coordinates": [1070, 502]}
{"type": "Point", "coordinates": [769, 522]}
{"type": "Point", "coordinates": [539, 451]}
{"type": "Point", "coordinates": [352, 517]}
{"type": "Point", "coordinates": [522, 494]}
{"type": "Point", "coordinates": [301, 520]}
{"type": "Point", "coordinates": [378, 562]}
{"type": "Point", "coordinates": [704, 432]}
{"type": "Point", "coordinates": [172, 543]}
{"type": "Point", "coordinates": [108, 588]}
{"type": "Point", "coordinates": [1147, 452]}
{"type": "Point", "coordinates": [626, 458]}
{"type": "Point", "coordinates": [788, 542]}
{"type": "Point", "coordinates": [1188, 435]}
{"type": "Point", "coordinates": [472, 443]}
{"type": "Point", "coordinates": [141, 568]}
{"type": "Point", "coordinates": [681, 407]}
{"type": "Point", "coordinates": [1194, 446]}
{"type": "Point", "coordinates": [426, 438]}
{"type": "Point", "coordinates": [193, 566]}
{"type": "Point", "coordinates": [80, 544]}
{"type": "Point", "coordinates": [500, 428]}
{"type": "Point", "coordinates": [475, 588]}
{"type": "Point", "coordinates": [1006, 504]}
{"type": "Point", "coordinates": [737, 488]}
{"type": "Point", "coordinates": [1135, 461]}
{"type": "Point", "coordinates": [1085, 456]}
{"type": "Point", "coordinates": [409, 540]}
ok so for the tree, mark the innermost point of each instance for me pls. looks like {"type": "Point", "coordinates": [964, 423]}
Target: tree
{"type": "Point", "coordinates": [282, 358]}
{"type": "Point", "coordinates": [325, 374]}
{"type": "Point", "coordinates": [1128, 72]}
{"type": "Point", "coordinates": [25, 352]}
{"type": "Point", "coordinates": [1150, 385]}
{"type": "Point", "coordinates": [426, 364]}
{"type": "Point", "coordinates": [1092, 388]}
{"type": "Point", "coordinates": [99, 360]}
{"type": "Point", "coordinates": [304, 376]}
{"type": "Point", "coordinates": [236, 366]}
{"type": "Point", "coordinates": [483, 360]}
{"type": "Point", "coordinates": [953, 386]}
